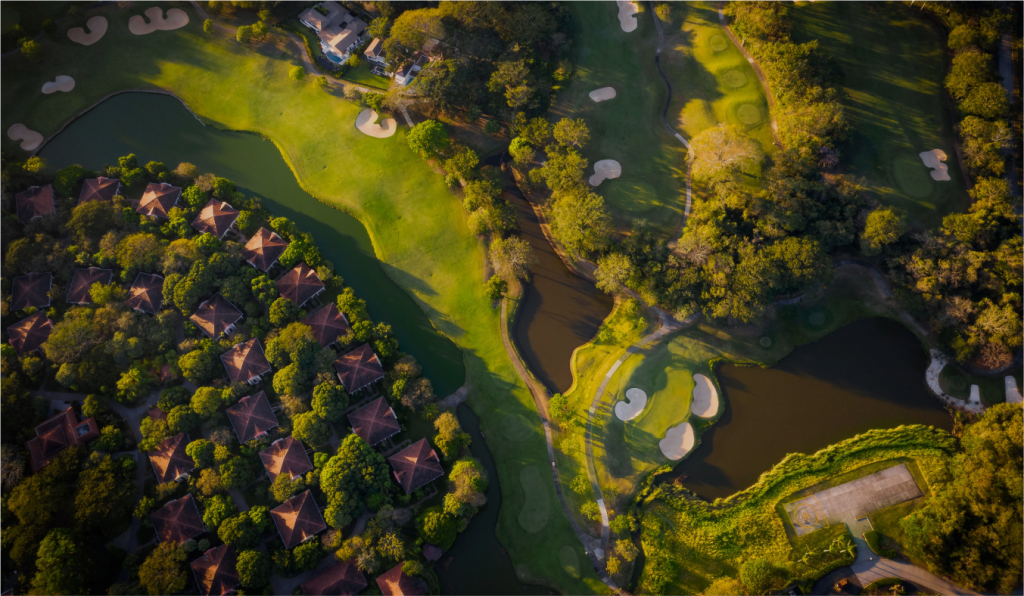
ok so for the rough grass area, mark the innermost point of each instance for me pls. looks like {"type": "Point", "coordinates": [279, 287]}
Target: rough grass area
{"type": "Point", "coordinates": [894, 62]}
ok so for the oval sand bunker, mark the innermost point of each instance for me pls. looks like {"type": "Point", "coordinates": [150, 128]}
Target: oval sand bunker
{"type": "Point", "coordinates": [61, 83]}
{"type": "Point", "coordinates": [933, 159]}
{"type": "Point", "coordinates": [366, 124]}
{"type": "Point", "coordinates": [678, 441]}
{"type": "Point", "coordinates": [176, 19]}
{"type": "Point", "coordinates": [628, 410]}
{"type": "Point", "coordinates": [603, 94]}
{"type": "Point", "coordinates": [604, 170]}
{"type": "Point", "coordinates": [705, 397]}
{"type": "Point", "coordinates": [627, 12]}
{"type": "Point", "coordinates": [97, 29]}
{"type": "Point", "coordinates": [29, 138]}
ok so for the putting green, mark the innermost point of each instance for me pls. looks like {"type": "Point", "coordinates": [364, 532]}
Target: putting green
{"type": "Point", "coordinates": [912, 176]}
{"type": "Point", "coordinates": [536, 509]}
{"type": "Point", "coordinates": [734, 79]}
{"type": "Point", "coordinates": [749, 114]}
{"type": "Point", "coordinates": [514, 428]}
{"type": "Point", "coordinates": [718, 42]}
{"type": "Point", "coordinates": [570, 561]}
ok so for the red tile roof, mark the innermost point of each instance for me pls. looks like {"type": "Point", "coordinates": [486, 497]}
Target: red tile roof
{"type": "Point", "coordinates": [170, 460]}
{"type": "Point", "coordinates": [216, 218]}
{"type": "Point", "coordinates": [82, 283]}
{"type": "Point", "coordinates": [28, 334]}
{"type": "Point", "coordinates": [395, 583]}
{"type": "Point", "coordinates": [35, 202]}
{"type": "Point", "coordinates": [158, 200]}
{"type": "Point", "coordinates": [146, 294]}
{"type": "Point", "coordinates": [99, 189]}
{"type": "Point", "coordinates": [245, 361]}
{"type": "Point", "coordinates": [215, 571]}
{"type": "Point", "coordinates": [416, 465]}
{"type": "Point", "coordinates": [178, 520]}
{"type": "Point", "coordinates": [328, 324]}
{"type": "Point", "coordinates": [300, 284]}
{"type": "Point", "coordinates": [263, 249]}
{"type": "Point", "coordinates": [374, 422]}
{"type": "Point", "coordinates": [341, 579]}
{"type": "Point", "coordinates": [298, 519]}
{"type": "Point", "coordinates": [58, 433]}
{"type": "Point", "coordinates": [31, 290]}
{"type": "Point", "coordinates": [359, 368]}
{"type": "Point", "coordinates": [252, 417]}
{"type": "Point", "coordinates": [286, 456]}
{"type": "Point", "coordinates": [216, 316]}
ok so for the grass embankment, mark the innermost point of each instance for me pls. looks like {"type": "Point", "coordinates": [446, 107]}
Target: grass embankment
{"type": "Point", "coordinates": [958, 383]}
{"type": "Point", "coordinates": [417, 226]}
{"type": "Point", "coordinates": [700, 542]}
{"type": "Point", "coordinates": [894, 63]}
{"type": "Point", "coordinates": [627, 128]}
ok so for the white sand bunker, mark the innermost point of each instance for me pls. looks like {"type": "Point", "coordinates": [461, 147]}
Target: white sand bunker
{"type": "Point", "coordinates": [176, 19]}
{"type": "Point", "coordinates": [705, 397]}
{"type": "Point", "coordinates": [97, 29]}
{"type": "Point", "coordinates": [603, 94]}
{"type": "Point", "coordinates": [605, 170]}
{"type": "Point", "coordinates": [61, 83]}
{"type": "Point", "coordinates": [366, 123]}
{"type": "Point", "coordinates": [627, 10]}
{"type": "Point", "coordinates": [933, 159]}
{"type": "Point", "coordinates": [630, 409]}
{"type": "Point", "coordinates": [30, 139]}
{"type": "Point", "coordinates": [678, 441]}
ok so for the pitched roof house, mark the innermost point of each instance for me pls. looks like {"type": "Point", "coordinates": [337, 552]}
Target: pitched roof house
{"type": "Point", "coordinates": [78, 293]}
{"type": "Point", "coordinates": [252, 417]}
{"type": "Point", "coordinates": [298, 519]}
{"type": "Point", "coordinates": [35, 202]}
{"type": "Point", "coordinates": [216, 218]}
{"type": "Point", "coordinates": [341, 579]}
{"type": "Point", "coordinates": [28, 334]}
{"type": "Point", "coordinates": [146, 294]}
{"type": "Point", "coordinates": [286, 456]}
{"type": "Point", "coordinates": [395, 583]}
{"type": "Point", "coordinates": [169, 459]}
{"type": "Point", "coordinates": [300, 284]}
{"type": "Point", "coordinates": [215, 571]}
{"type": "Point", "coordinates": [245, 362]}
{"type": "Point", "coordinates": [99, 189]}
{"type": "Point", "coordinates": [328, 324]}
{"type": "Point", "coordinates": [31, 290]}
{"type": "Point", "coordinates": [178, 520]}
{"type": "Point", "coordinates": [375, 51]}
{"type": "Point", "coordinates": [158, 200]}
{"type": "Point", "coordinates": [359, 368]}
{"type": "Point", "coordinates": [374, 422]}
{"type": "Point", "coordinates": [337, 29]}
{"type": "Point", "coordinates": [416, 465]}
{"type": "Point", "coordinates": [57, 434]}
{"type": "Point", "coordinates": [216, 316]}
{"type": "Point", "coordinates": [264, 249]}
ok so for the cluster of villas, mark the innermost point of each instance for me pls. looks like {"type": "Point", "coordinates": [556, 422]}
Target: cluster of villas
{"type": "Point", "coordinates": [359, 370]}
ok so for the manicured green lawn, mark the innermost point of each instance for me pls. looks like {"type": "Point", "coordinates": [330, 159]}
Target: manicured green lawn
{"type": "Point", "coordinates": [894, 63]}
{"type": "Point", "coordinates": [417, 226]}
{"type": "Point", "coordinates": [992, 387]}
{"type": "Point", "coordinates": [361, 75]}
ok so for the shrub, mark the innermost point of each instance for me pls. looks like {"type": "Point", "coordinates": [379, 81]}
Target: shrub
{"type": "Point", "coordinates": [296, 73]}
{"type": "Point", "coordinates": [208, 26]}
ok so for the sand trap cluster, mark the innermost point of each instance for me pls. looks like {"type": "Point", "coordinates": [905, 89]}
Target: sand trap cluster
{"type": "Point", "coordinates": [367, 124]}
{"type": "Point", "coordinates": [176, 19]}
{"type": "Point", "coordinates": [1013, 395]}
{"type": "Point", "coordinates": [678, 441]}
{"type": "Point", "coordinates": [705, 397]}
{"type": "Point", "coordinates": [97, 29]}
{"type": "Point", "coordinates": [30, 139]}
{"type": "Point", "coordinates": [636, 401]}
{"type": "Point", "coordinates": [605, 170]}
{"type": "Point", "coordinates": [61, 83]}
{"type": "Point", "coordinates": [603, 94]}
{"type": "Point", "coordinates": [933, 159]}
{"type": "Point", "coordinates": [627, 12]}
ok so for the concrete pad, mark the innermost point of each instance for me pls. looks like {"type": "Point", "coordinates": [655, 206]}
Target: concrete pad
{"type": "Point", "coordinates": [635, 402]}
{"type": "Point", "coordinates": [176, 19]}
{"type": "Point", "coordinates": [627, 15]}
{"type": "Point", "coordinates": [29, 138]}
{"type": "Point", "coordinates": [678, 441]}
{"type": "Point", "coordinates": [933, 159]}
{"type": "Point", "coordinates": [975, 398]}
{"type": "Point", "coordinates": [97, 29]}
{"type": "Point", "coordinates": [603, 94]}
{"type": "Point", "coordinates": [705, 397]}
{"type": "Point", "coordinates": [604, 170]}
{"type": "Point", "coordinates": [1013, 395]}
{"type": "Point", "coordinates": [61, 83]}
{"type": "Point", "coordinates": [366, 123]}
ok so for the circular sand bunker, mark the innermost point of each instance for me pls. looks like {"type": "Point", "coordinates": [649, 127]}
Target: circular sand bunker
{"type": "Point", "coordinates": [176, 19]}
{"type": "Point", "coordinates": [734, 79]}
{"type": "Point", "coordinates": [367, 124]}
{"type": "Point", "coordinates": [911, 176]}
{"type": "Point", "coordinates": [636, 401]}
{"type": "Point", "coordinates": [603, 94]}
{"type": "Point", "coordinates": [933, 159]}
{"type": "Point", "coordinates": [627, 12]}
{"type": "Point", "coordinates": [61, 83]}
{"type": "Point", "coordinates": [718, 43]}
{"type": "Point", "coordinates": [604, 170]}
{"type": "Point", "coordinates": [748, 114]}
{"type": "Point", "coordinates": [678, 441]}
{"type": "Point", "coordinates": [29, 138]}
{"type": "Point", "coordinates": [97, 29]}
{"type": "Point", "coordinates": [705, 397]}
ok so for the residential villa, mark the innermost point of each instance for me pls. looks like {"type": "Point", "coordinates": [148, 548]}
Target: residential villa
{"type": "Point", "coordinates": [252, 417]}
{"type": "Point", "coordinates": [146, 294]}
{"type": "Point", "coordinates": [216, 316]}
{"type": "Point", "coordinates": [170, 461]}
{"type": "Point", "coordinates": [328, 324]}
{"type": "Point", "coordinates": [216, 218]}
{"type": "Point", "coordinates": [359, 368]}
{"type": "Point", "coordinates": [374, 53]}
{"type": "Point", "coordinates": [286, 456]}
{"type": "Point", "coordinates": [245, 362]}
{"type": "Point", "coordinates": [78, 293]}
{"type": "Point", "coordinates": [158, 200]}
{"type": "Point", "coordinates": [338, 30]}
{"type": "Point", "coordinates": [343, 578]}
{"type": "Point", "coordinates": [300, 284]}
{"type": "Point", "coordinates": [298, 519]}
{"type": "Point", "coordinates": [216, 572]}
{"type": "Point", "coordinates": [416, 465]}
{"type": "Point", "coordinates": [35, 202]}
{"type": "Point", "coordinates": [31, 290]}
{"type": "Point", "coordinates": [394, 582]}
{"type": "Point", "coordinates": [99, 189]}
{"type": "Point", "coordinates": [30, 333]}
{"type": "Point", "coordinates": [178, 520]}
{"type": "Point", "coordinates": [57, 434]}
{"type": "Point", "coordinates": [374, 422]}
{"type": "Point", "coordinates": [264, 249]}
